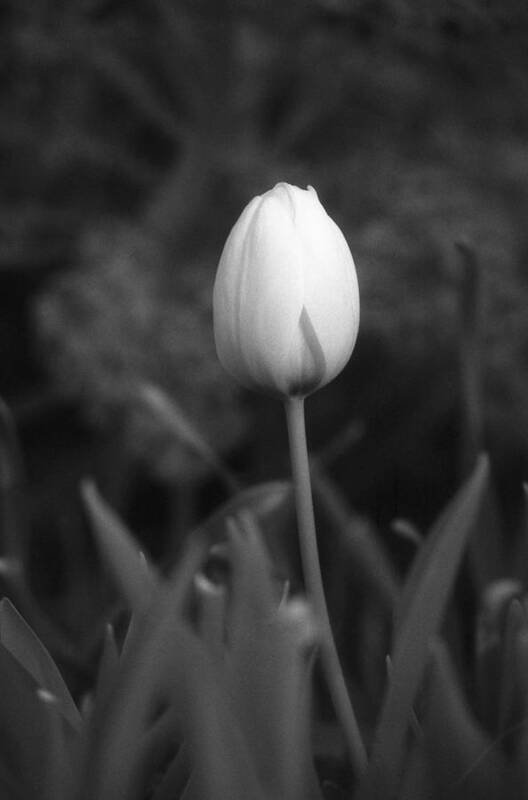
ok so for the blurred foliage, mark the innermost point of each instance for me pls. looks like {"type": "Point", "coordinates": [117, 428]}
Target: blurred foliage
{"type": "Point", "coordinates": [122, 333]}
{"type": "Point", "coordinates": [202, 683]}
{"type": "Point", "coordinates": [132, 134]}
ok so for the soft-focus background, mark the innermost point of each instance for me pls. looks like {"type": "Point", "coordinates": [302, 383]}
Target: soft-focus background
{"type": "Point", "coordinates": [131, 136]}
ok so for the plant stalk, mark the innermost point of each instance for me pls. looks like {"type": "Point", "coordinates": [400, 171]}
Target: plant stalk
{"type": "Point", "coordinates": [314, 583]}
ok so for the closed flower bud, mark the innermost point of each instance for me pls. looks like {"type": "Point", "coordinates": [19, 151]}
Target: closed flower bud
{"type": "Point", "coordinates": [286, 300]}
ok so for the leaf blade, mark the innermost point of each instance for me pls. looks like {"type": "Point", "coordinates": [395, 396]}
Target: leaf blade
{"type": "Point", "coordinates": [424, 604]}
{"type": "Point", "coordinates": [134, 576]}
{"type": "Point", "coordinates": [20, 640]}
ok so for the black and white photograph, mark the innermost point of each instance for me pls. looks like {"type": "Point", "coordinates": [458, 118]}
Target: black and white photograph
{"type": "Point", "coordinates": [263, 400]}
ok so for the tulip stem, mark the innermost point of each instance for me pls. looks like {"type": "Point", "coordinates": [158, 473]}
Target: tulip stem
{"type": "Point", "coordinates": [314, 582]}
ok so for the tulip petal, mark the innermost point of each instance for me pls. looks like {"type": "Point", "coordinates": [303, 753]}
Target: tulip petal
{"type": "Point", "coordinates": [260, 289]}
{"type": "Point", "coordinates": [331, 294]}
{"type": "Point", "coordinates": [307, 359]}
{"type": "Point", "coordinates": [227, 290]}
{"type": "Point", "coordinates": [273, 293]}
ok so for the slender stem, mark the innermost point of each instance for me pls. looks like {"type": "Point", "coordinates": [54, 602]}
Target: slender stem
{"type": "Point", "coordinates": [314, 582]}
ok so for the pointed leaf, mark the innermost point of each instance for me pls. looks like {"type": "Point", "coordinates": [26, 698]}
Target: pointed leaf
{"type": "Point", "coordinates": [151, 659]}
{"type": "Point", "coordinates": [417, 783]}
{"type": "Point", "coordinates": [175, 779]}
{"type": "Point", "coordinates": [521, 754]}
{"type": "Point", "coordinates": [27, 748]}
{"type": "Point", "coordinates": [270, 504]}
{"type": "Point", "coordinates": [113, 764]}
{"type": "Point", "coordinates": [26, 647]}
{"type": "Point", "coordinates": [512, 701]}
{"type": "Point", "coordinates": [63, 758]}
{"type": "Point", "coordinates": [177, 422]}
{"type": "Point", "coordinates": [490, 646]}
{"type": "Point", "coordinates": [486, 545]}
{"type": "Point", "coordinates": [518, 562]}
{"type": "Point", "coordinates": [261, 501]}
{"type": "Point", "coordinates": [268, 671]}
{"type": "Point", "coordinates": [119, 551]}
{"type": "Point", "coordinates": [424, 600]}
{"type": "Point", "coordinates": [222, 762]}
{"type": "Point", "coordinates": [359, 540]}
{"type": "Point", "coordinates": [108, 666]}
{"type": "Point", "coordinates": [211, 614]}
{"type": "Point", "coordinates": [166, 660]}
{"type": "Point", "coordinates": [465, 763]}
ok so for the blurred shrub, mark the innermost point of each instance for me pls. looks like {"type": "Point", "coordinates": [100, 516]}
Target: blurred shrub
{"type": "Point", "coordinates": [126, 317]}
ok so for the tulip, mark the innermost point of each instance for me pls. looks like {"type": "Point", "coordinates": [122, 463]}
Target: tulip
{"type": "Point", "coordinates": [286, 300]}
{"type": "Point", "coordinates": [286, 317]}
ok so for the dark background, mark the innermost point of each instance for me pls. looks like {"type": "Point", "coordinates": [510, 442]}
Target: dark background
{"type": "Point", "coordinates": [132, 134]}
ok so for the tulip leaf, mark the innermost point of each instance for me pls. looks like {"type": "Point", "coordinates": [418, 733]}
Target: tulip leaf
{"type": "Point", "coordinates": [63, 751]}
{"type": "Point", "coordinates": [166, 660]}
{"type": "Point", "coordinates": [417, 782]}
{"type": "Point", "coordinates": [511, 704]}
{"type": "Point", "coordinates": [26, 647]}
{"type": "Point", "coordinates": [518, 562]}
{"type": "Point", "coordinates": [270, 504]}
{"type": "Point", "coordinates": [133, 574]}
{"type": "Point", "coordinates": [261, 501]}
{"type": "Point", "coordinates": [358, 540]}
{"type": "Point", "coordinates": [179, 424]}
{"type": "Point", "coordinates": [521, 760]}
{"type": "Point", "coordinates": [424, 600]}
{"type": "Point", "coordinates": [223, 767]}
{"type": "Point", "coordinates": [268, 671]}
{"type": "Point", "coordinates": [486, 548]}
{"type": "Point", "coordinates": [492, 645]}
{"type": "Point", "coordinates": [27, 742]}
{"type": "Point", "coordinates": [452, 529]}
{"type": "Point", "coordinates": [114, 760]}
{"type": "Point", "coordinates": [465, 764]}
{"type": "Point", "coordinates": [175, 778]}
{"type": "Point", "coordinates": [108, 666]}
{"type": "Point", "coordinates": [211, 614]}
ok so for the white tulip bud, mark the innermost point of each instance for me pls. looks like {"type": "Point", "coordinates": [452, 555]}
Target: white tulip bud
{"type": "Point", "coordinates": [286, 299]}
